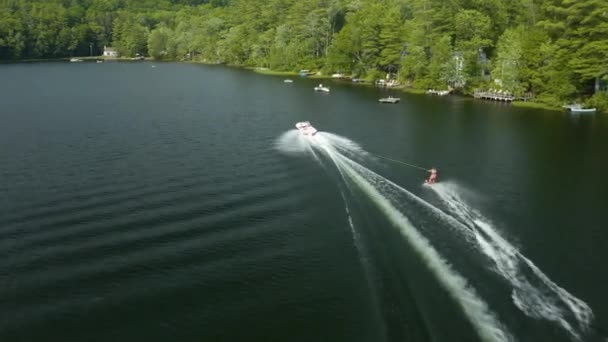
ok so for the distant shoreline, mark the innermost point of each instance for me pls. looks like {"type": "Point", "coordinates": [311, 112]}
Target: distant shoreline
{"type": "Point", "coordinates": [67, 59]}
{"type": "Point", "coordinates": [266, 71]}
{"type": "Point", "coordinates": [408, 90]}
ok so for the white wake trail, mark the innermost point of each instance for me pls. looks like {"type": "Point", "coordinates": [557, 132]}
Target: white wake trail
{"type": "Point", "coordinates": [533, 293]}
{"type": "Point", "coordinates": [294, 143]}
{"type": "Point", "coordinates": [477, 311]}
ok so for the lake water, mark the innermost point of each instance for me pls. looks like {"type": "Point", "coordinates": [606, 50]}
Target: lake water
{"type": "Point", "coordinates": [178, 203]}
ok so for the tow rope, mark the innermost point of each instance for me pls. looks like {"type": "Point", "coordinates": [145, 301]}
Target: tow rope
{"type": "Point", "coordinates": [401, 162]}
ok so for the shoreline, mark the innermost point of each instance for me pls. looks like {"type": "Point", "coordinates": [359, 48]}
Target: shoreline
{"type": "Point", "coordinates": [67, 59]}
{"type": "Point", "coordinates": [270, 72]}
{"type": "Point", "coordinates": [536, 105]}
{"type": "Point", "coordinates": [407, 90]}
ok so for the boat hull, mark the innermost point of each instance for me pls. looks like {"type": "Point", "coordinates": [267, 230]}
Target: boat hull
{"type": "Point", "coordinates": [391, 100]}
{"type": "Point", "coordinates": [306, 128]}
{"type": "Point", "coordinates": [581, 110]}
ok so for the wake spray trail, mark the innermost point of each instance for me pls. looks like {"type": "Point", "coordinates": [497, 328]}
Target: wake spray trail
{"type": "Point", "coordinates": [533, 292]}
{"type": "Point", "coordinates": [477, 311]}
{"type": "Point", "coordinates": [293, 143]}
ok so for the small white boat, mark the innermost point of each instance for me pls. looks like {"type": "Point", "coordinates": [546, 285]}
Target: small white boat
{"type": "Point", "coordinates": [321, 88]}
{"type": "Point", "coordinates": [99, 62]}
{"type": "Point", "coordinates": [583, 110]}
{"type": "Point", "coordinates": [305, 128]}
{"type": "Point", "coordinates": [73, 60]}
{"type": "Point", "coordinates": [288, 81]}
{"type": "Point", "coordinates": [438, 92]}
{"type": "Point", "coordinates": [389, 99]}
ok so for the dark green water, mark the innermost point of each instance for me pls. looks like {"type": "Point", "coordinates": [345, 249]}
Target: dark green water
{"type": "Point", "coordinates": [150, 204]}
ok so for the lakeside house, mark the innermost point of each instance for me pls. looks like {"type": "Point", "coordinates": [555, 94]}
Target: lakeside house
{"type": "Point", "coordinates": [109, 52]}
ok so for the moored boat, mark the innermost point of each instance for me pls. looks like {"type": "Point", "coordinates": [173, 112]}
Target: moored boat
{"type": "Point", "coordinates": [578, 108]}
{"type": "Point", "coordinates": [306, 128]}
{"type": "Point", "coordinates": [321, 88]}
{"type": "Point", "coordinates": [583, 110]}
{"type": "Point", "coordinates": [438, 92]}
{"type": "Point", "coordinates": [389, 99]}
{"type": "Point", "coordinates": [288, 81]}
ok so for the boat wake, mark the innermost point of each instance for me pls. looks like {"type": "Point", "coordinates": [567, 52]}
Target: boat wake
{"type": "Point", "coordinates": [532, 292]}
{"type": "Point", "coordinates": [477, 311]}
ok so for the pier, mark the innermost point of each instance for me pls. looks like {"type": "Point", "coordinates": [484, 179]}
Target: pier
{"type": "Point", "coordinates": [499, 96]}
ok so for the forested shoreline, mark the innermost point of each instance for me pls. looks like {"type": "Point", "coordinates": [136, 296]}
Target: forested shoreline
{"type": "Point", "coordinates": [555, 50]}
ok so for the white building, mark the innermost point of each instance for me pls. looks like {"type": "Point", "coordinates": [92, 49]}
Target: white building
{"type": "Point", "coordinates": [109, 52]}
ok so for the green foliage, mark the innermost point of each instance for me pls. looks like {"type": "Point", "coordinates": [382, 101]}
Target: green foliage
{"type": "Point", "coordinates": [554, 49]}
{"type": "Point", "coordinates": [599, 101]}
{"type": "Point", "coordinates": [509, 57]}
{"type": "Point", "coordinates": [130, 35]}
{"type": "Point", "coordinates": [160, 44]}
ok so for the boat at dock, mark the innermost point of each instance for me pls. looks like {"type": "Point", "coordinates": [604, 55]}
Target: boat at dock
{"type": "Point", "coordinates": [437, 92]}
{"type": "Point", "coordinates": [306, 128]}
{"type": "Point", "coordinates": [389, 99]}
{"type": "Point", "coordinates": [583, 110]}
{"type": "Point", "coordinates": [305, 73]}
{"type": "Point", "coordinates": [322, 89]}
{"type": "Point", "coordinates": [578, 108]}
{"type": "Point", "coordinates": [74, 60]}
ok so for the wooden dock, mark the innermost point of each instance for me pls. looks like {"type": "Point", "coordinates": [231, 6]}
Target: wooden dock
{"type": "Point", "coordinates": [485, 95]}
{"type": "Point", "coordinates": [499, 96]}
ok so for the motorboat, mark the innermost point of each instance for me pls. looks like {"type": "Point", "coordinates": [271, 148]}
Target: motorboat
{"type": "Point", "coordinates": [322, 89]}
{"type": "Point", "coordinates": [288, 81]}
{"type": "Point", "coordinates": [438, 92]}
{"type": "Point", "coordinates": [582, 110]}
{"type": "Point", "coordinates": [74, 60]}
{"type": "Point", "coordinates": [306, 128]}
{"type": "Point", "coordinates": [578, 108]}
{"type": "Point", "coordinates": [389, 99]}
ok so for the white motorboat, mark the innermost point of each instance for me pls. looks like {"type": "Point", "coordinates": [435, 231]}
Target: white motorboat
{"type": "Point", "coordinates": [322, 89]}
{"type": "Point", "coordinates": [583, 110]}
{"type": "Point", "coordinates": [288, 81]}
{"type": "Point", "coordinates": [389, 99]}
{"type": "Point", "coordinates": [438, 92]}
{"type": "Point", "coordinates": [578, 108]}
{"type": "Point", "coordinates": [74, 60]}
{"type": "Point", "coordinates": [306, 128]}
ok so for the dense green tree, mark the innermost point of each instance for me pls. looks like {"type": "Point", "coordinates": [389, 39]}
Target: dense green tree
{"type": "Point", "coordinates": [159, 43]}
{"type": "Point", "coordinates": [130, 36]}
{"type": "Point", "coordinates": [508, 61]}
{"type": "Point", "coordinates": [586, 36]}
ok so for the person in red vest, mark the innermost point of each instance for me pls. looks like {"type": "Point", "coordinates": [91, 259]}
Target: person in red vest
{"type": "Point", "coordinates": [433, 177]}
